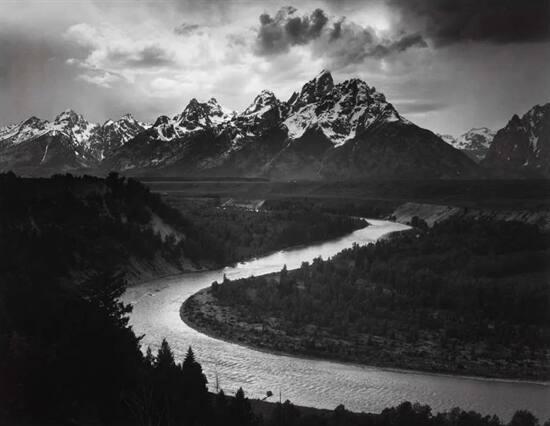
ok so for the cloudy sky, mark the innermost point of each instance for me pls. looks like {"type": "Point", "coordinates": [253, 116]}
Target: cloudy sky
{"type": "Point", "coordinates": [448, 65]}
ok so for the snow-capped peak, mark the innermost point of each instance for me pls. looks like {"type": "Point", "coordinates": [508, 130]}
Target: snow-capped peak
{"type": "Point", "coordinates": [92, 138]}
{"type": "Point", "coordinates": [27, 129]}
{"type": "Point", "coordinates": [312, 91]}
{"type": "Point", "coordinates": [341, 111]}
{"type": "Point", "coordinates": [265, 112]}
{"type": "Point", "coordinates": [219, 114]}
{"type": "Point", "coordinates": [203, 114]}
{"type": "Point", "coordinates": [476, 138]}
{"type": "Point", "coordinates": [262, 102]}
{"type": "Point", "coordinates": [474, 143]}
{"type": "Point", "coordinates": [196, 116]}
{"type": "Point", "coordinates": [68, 116]}
{"type": "Point", "coordinates": [116, 133]}
{"type": "Point", "coordinates": [75, 126]}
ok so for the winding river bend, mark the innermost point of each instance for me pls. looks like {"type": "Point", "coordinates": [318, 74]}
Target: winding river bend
{"type": "Point", "coordinates": [322, 384]}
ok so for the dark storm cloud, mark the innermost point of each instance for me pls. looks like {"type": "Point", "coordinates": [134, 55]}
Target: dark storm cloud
{"type": "Point", "coordinates": [342, 41]}
{"type": "Point", "coordinates": [146, 57]}
{"type": "Point", "coordinates": [186, 29]}
{"type": "Point", "coordinates": [494, 21]}
{"type": "Point", "coordinates": [286, 29]}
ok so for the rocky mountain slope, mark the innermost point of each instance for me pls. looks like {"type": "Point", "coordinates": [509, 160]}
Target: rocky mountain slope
{"type": "Point", "coordinates": [523, 145]}
{"type": "Point", "coordinates": [324, 131]}
{"type": "Point", "coordinates": [474, 143]}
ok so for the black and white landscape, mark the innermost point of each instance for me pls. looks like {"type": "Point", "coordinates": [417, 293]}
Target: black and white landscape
{"type": "Point", "coordinates": [332, 212]}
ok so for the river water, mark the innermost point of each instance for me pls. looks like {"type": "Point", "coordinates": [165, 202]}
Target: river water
{"type": "Point", "coordinates": [322, 384]}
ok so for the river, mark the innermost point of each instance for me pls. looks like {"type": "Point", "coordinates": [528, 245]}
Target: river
{"type": "Point", "coordinates": [316, 383]}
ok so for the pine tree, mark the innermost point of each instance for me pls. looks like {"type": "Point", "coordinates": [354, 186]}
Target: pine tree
{"type": "Point", "coordinates": [193, 377]}
{"type": "Point", "coordinates": [189, 358]}
{"type": "Point", "coordinates": [165, 357]}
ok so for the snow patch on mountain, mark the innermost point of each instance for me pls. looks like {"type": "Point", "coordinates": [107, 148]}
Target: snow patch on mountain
{"type": "Point", "coordinates": [474, 143]}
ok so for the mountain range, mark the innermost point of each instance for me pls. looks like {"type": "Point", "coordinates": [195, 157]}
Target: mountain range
{"type": "Point", "coordinates": [325, 130]}
{"type": "Point", "coordinates": [68, 143]}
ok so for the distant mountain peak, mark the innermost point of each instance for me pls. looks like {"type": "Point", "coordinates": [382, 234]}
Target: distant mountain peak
{"type": "Point", "coordinates": [474, 143]}
{"type": "Point", "coordinates": [265, 112]}
{"type": "Point", "coordinates": [203, 114]}
{"type": "Point", "coordinates": [68, 115]}
{"type": "Point", "coordinates": [162, 119]}
{"type": "Point", "coordinates": [265, 99]}
{"type": "Point", "coordinates": [195, 114]}
{"type": "Point", "coordinates": [33, 121]}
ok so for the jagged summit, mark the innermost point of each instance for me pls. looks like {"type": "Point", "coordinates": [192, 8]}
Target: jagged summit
{"type": "Point", "coordinates": [341, 111]}
{"type": "Point", "coordinates": [203, 114]}
{"type": "Point", "coordinates": [264, 100]}
{"type": "Point", "coordinates": [34, 121]}
{"type": "Point", "coordinates": [265, 112]}
{"type": "Point", "coordinates": [68, 115]}
{"type": "Point", "coordinates": [523, 144]}
{"type": "Point", "coordinates": [323, 81]}
{"type": "Point", "coordinates": [312, 91]}
{"type": "Point", "coordinates": [194, 113]}
{"type": "Point", "coordinates": [162, 119]}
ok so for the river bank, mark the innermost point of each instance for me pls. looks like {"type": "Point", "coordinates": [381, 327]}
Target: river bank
{"type": "Point", "coordinates": [202, 312]}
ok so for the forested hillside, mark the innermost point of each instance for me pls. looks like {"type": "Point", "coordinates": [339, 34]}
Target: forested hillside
{"type": "Point", "coordinates": [74, 226]}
